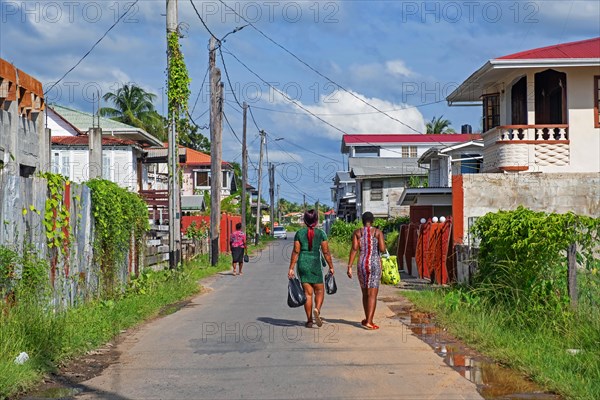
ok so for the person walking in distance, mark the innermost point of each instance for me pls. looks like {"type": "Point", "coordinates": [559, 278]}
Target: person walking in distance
{"type": "Point", "coordinates": [369, 241]}
{"type": "Point", "coordinates": [238, 247]}
{"type": "Point", "coordinates": [308, 244]}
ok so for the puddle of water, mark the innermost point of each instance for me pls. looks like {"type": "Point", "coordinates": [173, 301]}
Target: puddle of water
{"type": "Point", "coordinates": [492, 380]}
{"type": "Point", "coordinates": [56, 393]}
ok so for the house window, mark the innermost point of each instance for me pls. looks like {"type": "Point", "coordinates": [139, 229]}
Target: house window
{"type": "Point", "coordinates": [597, 101]}
{"type": "Point", "coordinates": [55, 162]}
{"type": "Point", "coordinates": [491, 111]}
{"type": "Point", "coordinates": [106, 166]}
{"type": "Point", "coordinates": [65, 164]}
{"type": "Point", "coordinates": [518, 94]}
{"type": "Point", "coordinates": [224, 184]}
{"type": "Point", "coordinates": [409, 151]}
{"type": "Point", "coordinates": [202, 179]}
{"type": "Point", "coordinates": [376, 190]}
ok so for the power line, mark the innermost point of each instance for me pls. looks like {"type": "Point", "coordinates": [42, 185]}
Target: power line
{"type": "Point", "coordinates": [229, 80]}
{"type": "Point", "coordinates": [350, 114]}
{"type": "Point", "coordinates": [204, 23]}
{"type": "Point", "coordinates": [231, 128]}
{"type": "Point", "coordinates": [93, 47]}
{"type": "Point", "coordinates": [201, 87]}
{"type": "Point", "coordinates": [283, 94]}
{"type": "Point", "coordinates": [317, 72]}
{"type": "Point", "coordinates": [295, 187]}
{"type": "Point", "coordinates": [313, 152]}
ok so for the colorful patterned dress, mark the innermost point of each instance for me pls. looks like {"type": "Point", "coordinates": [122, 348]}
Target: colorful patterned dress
{"type": "Point", "coordinates": [369, 262]}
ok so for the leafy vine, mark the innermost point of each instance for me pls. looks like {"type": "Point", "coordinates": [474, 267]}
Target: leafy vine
{"type": "Point", "coordinates": [118, 213]}
{"type": "Point", "coordinates": [178, 82]}
{"type": "Point", "coordinates": [56, 214]}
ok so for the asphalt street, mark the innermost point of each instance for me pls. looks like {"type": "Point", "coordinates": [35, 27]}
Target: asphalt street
{"type": "Point", "coordinates": [240, 340]}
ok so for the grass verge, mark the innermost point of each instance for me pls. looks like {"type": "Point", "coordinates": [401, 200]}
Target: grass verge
{"type": "Point", "coordinates": [540, 353]}
{"type": "Point", "coordinates": [51, 338]}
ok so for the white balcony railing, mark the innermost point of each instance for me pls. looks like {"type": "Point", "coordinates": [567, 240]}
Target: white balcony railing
{"type": "Point", "coordinates": [526, 147]}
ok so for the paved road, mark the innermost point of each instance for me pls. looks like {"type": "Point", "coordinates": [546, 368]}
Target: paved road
{"type": "Point", "coordinates": [241, 341]}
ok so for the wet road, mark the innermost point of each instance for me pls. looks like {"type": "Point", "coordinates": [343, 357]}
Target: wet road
{"type": "Point", "coordinates": [241, 341]}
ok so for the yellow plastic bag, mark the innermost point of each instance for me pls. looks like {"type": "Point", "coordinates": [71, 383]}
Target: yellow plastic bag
{"type": "Point", "coordinates": [389, 270]}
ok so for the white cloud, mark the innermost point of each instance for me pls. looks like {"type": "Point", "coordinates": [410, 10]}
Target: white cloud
{"type": "Point", "coordinates": [398, 68]}
{"type": "Point", "coordinates": [350, 113]}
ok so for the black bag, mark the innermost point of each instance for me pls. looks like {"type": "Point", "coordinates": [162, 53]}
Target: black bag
{"type": "Point", "coordinates": [296, 296]}
{"type": "Point", "coordinates": [330, 285]}
{"type": "Point", "coordinates": [246, 258]}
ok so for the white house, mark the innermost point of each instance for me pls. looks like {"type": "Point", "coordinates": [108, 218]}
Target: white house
{"type": "Point", "coordinates": [541, 133]}
{"type": "Point", "coordinates": [540, 108]}
{"type": "Point", "coordinates": [122, 147]}
{"type": "Point", "coordinates": [385, 165]}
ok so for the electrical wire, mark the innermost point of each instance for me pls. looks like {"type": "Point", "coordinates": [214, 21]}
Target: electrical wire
{"type": "Point", "coordinates": [350, 114]}
{"type": "Point", "coordinates": [201, 87]}
{"type": "Point", "coordinates": [230, 127]}
{"type": "Point", "coordinates": [283, 94]}
{"type": "Point", "coordinates": [229, 80]}
{"type": "Point", "coordinates": [204, 23]}
{"type": "Point", "coordinates": [93, 47]}
{"type": "Point", "coordinates": [316, 71]}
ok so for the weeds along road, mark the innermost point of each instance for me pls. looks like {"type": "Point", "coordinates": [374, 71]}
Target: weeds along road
{"type": "Point", "coordinates": [241, 341]}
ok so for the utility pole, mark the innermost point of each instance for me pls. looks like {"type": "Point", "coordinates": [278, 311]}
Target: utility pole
{"type": "Point", "coordinates": [278, 205]}
{"type": "Point", "coordinates": [174, 197]}
{"type": "Point", "coordinates": [304, 202]}
{"type": "Point", "coordinates": [317, 209]}
{"type": "Point", "coordinates": [272, 194]}
{"type": "Point", "coordinates": [260, 160]}
{"type": "Point", "coordinates": [216, 103]}
{"type": "Point", "coordinates": [244, 169]}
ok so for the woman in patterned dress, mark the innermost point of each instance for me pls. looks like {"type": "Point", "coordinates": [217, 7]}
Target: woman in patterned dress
{"type": "Point", "coordinates": [369, 241]}
{"type": "Point", "coordinates": [308, 245]}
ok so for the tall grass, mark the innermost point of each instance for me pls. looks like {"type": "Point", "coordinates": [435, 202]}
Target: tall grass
{"type": "Point", "coordinates": [542, 352]}
{"type": "Point", "coordinates": [50, 336]}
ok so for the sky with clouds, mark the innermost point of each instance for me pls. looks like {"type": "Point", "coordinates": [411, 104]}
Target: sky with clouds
{"type": "Point", "coordinates": [402, 57]}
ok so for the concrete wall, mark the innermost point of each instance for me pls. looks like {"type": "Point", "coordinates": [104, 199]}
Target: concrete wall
{"type": "Point", "coordinates": [475, 195]}
{"type": "Point", "coordinates": [381, 208]}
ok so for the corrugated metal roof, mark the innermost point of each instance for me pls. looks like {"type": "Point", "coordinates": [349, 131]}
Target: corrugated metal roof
{"type": "Point", "coordinates": [83, 140]}
{"type": "Point", "coordinates": [370, 139]}
{"type": "Point", "coordinates": [362, 167]}
{"type": "Point", "coordinates": [589, 48]}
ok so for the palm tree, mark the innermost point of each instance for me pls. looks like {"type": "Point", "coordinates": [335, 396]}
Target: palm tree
{"type": "Point", "coordinates": [439, 125]}
{"type": "Point", "coordinates": [134, 106]}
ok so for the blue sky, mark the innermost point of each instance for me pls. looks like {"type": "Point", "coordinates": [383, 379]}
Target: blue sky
{"type": "Point", "coordinates": [404, 56]}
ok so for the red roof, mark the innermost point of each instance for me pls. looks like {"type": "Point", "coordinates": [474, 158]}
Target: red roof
{"type": "Point", "coordinates": [195, 158]}
{"type": "Point", "coordinates": [589, 48]}
{"type": "Point", "coordinates": [83, 140]}
{"type": "Point", "coordinates": [409, 138]}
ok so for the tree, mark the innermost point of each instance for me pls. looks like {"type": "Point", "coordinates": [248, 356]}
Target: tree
{"type": "Point", "coordinates": [439, 125]}
{"type": "Point", "coordinates": [134, 106]}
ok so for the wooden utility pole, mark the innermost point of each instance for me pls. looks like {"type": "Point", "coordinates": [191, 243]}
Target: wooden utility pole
{"type": "Point", "coordinates": [260, 161]}
{"type": "Point", "coordinates": [272, 195]}
{"type": "Point", "coordinates": [216, 104]}
{"type": "Point", "coordinates": [304, 202]}
{"type": "Point", "coordinates": [174, 192]}
{"type": "Point", "coordinates": [244, 169]}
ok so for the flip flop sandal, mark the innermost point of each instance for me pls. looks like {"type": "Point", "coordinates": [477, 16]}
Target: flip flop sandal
{"type": "Point", "coordinates": [372, 327]}
{"type": "Point", "coordinates": [308, 324]}
{"type": "Point", "coordinates": [318, 319]}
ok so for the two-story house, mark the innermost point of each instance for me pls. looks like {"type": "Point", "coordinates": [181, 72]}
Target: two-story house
{"type": "Point", "coordinates": [385, 165]}
{"type": "Point", "coordinates": [541, 129]}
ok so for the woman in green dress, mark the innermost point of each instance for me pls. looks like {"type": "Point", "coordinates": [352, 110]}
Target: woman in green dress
{"type": "Point", "coordinates": [308, 245]}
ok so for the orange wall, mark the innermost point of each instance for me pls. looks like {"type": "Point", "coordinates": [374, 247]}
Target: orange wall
{"type": "Point", "coordinates": [458, 199]}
